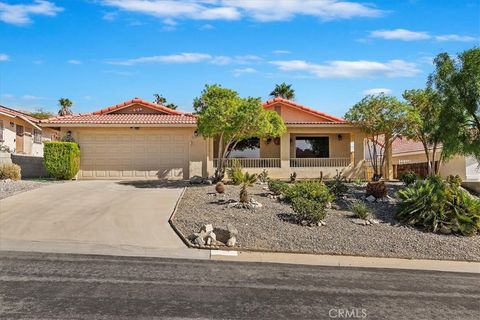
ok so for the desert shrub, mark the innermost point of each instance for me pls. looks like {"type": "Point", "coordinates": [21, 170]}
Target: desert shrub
{"type": "Point", "coordinates": [454, 181]}
{"type": "Point", "coordinates": [312, 190]}
{"type": "Point", "coordinates": [338, 185]}
{"type": "Point", "coordinates": [62, 159]}
{"type": "Point", "coordinates": [10, 171]}
{"type": "Point", "coordinates": [409, 177]}
{"type": "Point", "coordinates": [277, 186]}
{"type": "Point", "coordinates": [435, 206]}
{"type": "Point", "coordinates": [378, 189]}
{"type": "Point", "coordinates": [263, 176]}
{"type": "Point", "coordinates": [235, 172]}
{"type": "Point", "coordinates": [360, 209]}
{"type": "Point", "coordinates": [308, 209]}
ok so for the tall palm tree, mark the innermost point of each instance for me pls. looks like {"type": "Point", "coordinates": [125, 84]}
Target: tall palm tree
{"type": "Point", "coordinates": [283, 90]}
{"type": "Point", "coordinates": [65, 106]}
{"type": "Point", "coordinates": [159, 99]}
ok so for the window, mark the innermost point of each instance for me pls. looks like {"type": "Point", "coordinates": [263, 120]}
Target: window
{"type": "Point", "coordinates": [1, 130]}
{"type": "Point", "coordinates": [37, 136]}
{"type": "Point", "coordinates": [312, 147]}
{"type": "Point", "coordinates": [248, 148]}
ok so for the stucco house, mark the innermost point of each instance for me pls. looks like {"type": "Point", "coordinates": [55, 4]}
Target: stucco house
{"type": "Point", "coordinates": [139, 139]}
{"type": "Point", "coordinates": [21, 133]}
{"type": "Point", "coordinates": [408, 154]}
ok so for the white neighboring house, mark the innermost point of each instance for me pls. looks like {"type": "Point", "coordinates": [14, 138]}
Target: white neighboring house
{"type": "Point", "coordinates": [21, 134]}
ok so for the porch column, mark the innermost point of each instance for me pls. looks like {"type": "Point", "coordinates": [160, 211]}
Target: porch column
{"type": "Point", "coordinates": [285, 151]}
{"type": "Point", "coordinates": [358, 155]}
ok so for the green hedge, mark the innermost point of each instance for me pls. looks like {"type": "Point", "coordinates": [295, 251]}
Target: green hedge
{"type": "Point", "coordinates": [62, 159]}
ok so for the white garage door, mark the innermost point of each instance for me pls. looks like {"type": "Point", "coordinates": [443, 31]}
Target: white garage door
{"type": "Point", "coordinates": [133, 155]}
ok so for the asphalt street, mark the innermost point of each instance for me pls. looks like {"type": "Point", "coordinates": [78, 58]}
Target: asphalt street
{"type": "Point", "coordinates": [61, 286]}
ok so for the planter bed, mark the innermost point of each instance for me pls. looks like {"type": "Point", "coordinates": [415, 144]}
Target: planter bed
{"type": "Point", "coordinates": [270, 228]}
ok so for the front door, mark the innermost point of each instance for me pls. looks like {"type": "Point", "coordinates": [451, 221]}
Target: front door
{"type": "Point", "coordinates": [19, 139]}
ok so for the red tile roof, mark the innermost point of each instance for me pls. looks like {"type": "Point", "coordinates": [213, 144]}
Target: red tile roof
{"type": "Point", "coordinates": [304, 108]}
{"type": "Point", "coordinates": [124, 118]}
{"type": "Point", "coordinates": [20, 114]}
{"type": "Point", "coordinates": [127, 103]}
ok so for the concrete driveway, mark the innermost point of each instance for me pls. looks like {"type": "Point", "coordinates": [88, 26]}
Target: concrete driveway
{"type": "Point", "coordinates": [98, 217]}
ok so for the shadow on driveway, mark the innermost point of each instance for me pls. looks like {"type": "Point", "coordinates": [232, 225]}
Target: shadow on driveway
{"type": "Point", "coordinates": [153, 184]}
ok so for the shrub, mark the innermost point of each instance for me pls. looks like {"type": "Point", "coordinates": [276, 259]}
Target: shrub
{"type": "Point", "coordinates": [378, 189]}
{"type": "Point", "coordinates": [235, 172]}
{"type": "Point", "coordinates": [436, 206]}
{"type": "Point", "coordinates": [338, 185]}
{"type": "Point", "coordinates": [263, 176]}
{"type": "Point", "coordinates": [10, 171]}
{"type": "Point", "coordinates": [311, 190]}
{"type": "Point", "coordinates": [360, 209]}
{"type": "Point", "coordinates": [358, 181]}
{"type": "Point", "coordinates": [62, 159]}
{"type": "Point", "coordinates": [309, 210]}
{"type": "Point", "coordinates": [454, 181]}
{"type": "Point", "coordinates": [277, 186]}
{"type": "Point", "coordinates": [409, 177]}
{"type": "Point", "coordinates": [293, 177]}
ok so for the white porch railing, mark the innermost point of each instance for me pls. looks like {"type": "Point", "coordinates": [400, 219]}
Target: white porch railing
{"type": "Point", "coordinates": [250, 162]}
{"type": "Point", "coordinates": [319, 162]}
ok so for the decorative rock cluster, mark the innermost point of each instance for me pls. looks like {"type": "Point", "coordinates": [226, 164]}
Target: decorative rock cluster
{"type": "Point", "coordinates": [252, 204]}
{"type": "Point", "coordinates": [386, 199]}
{"type": "Point", "coordinates": [200, 180]}
{"type": "Point", "coordinates": [366, 222]}
{"type": "Point", "coordinates": [208, 238]}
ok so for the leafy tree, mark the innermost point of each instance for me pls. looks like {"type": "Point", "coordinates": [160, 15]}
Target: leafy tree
{"type": "Point", "coordinates": [41, 114]}
{"type": "Point", "coordinates": [65, 106]}
{"type": "Point", "coordinates": [224, 115]}
{"type": "Point", "coordinates": [383, 119]}
{"type": "Point", "coordinates": [283, 90]}
{"type": "Point", "coordinates": [159, 99]}
{"type": "Point", "coordinates": [424, 119]}
{"type": "Point", "coordinates": [457, 80]}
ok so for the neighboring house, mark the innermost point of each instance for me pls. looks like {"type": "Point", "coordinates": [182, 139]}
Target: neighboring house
{"type": "Point", "coordinates": [139, 139]}
{"type": "Point", "coordinates": [20, 133]}
{"type": "Point", "coordinates": [408, 154]}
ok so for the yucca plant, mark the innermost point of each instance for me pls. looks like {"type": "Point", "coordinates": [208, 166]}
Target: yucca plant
{"type": "Point", "coordinates": [247, 180]}
{"type": "Point", "coordinates": [360, 209]}
{"type": "Point", "coordinates": [235, 173]}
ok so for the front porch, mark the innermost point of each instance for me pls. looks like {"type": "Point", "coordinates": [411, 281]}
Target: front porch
{"type": "Point", "coordinates": [309, 152]}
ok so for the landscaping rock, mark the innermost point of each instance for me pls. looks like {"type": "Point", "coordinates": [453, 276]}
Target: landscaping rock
{"type": "Point", "coordinates": [374, 221]}
{"type": "Point", "coordinates": [231, 242]}
{"type": "Point", "coordinates": [232, 230]}
{"type": "Point", "coordinates": [211, 238]}
{"type": "Point", "coordinates": [199, 241]}
{"type": "Point", "coordinates": [196, 180]}
{"type": "Point", "coordinates": [370, 198]}
{"type": "Point", "coordinates": [207, 228]}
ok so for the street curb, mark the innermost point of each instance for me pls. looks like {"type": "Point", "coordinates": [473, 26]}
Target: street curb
{"type": "Point", "coordinates": [350, 261]}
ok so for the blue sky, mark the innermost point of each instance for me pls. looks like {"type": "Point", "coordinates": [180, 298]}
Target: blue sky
{"type": "Point", "coordinates": [102, 52]}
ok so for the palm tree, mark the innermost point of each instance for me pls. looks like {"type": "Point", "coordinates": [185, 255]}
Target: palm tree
{"type": "Point", "coordinates": [159, 99]}
{"type": "Point", "coordinates": [283, 90]}
{"type": "Point", "coordinates": [247, 180]}
{"type": "Point", "coordinates": [65, 105]}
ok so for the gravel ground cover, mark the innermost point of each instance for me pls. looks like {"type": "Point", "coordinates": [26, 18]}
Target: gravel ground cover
{"type": "Point", "coordinates": [271, 228]}
{"type": "Point", "coordinates": [9, 187]}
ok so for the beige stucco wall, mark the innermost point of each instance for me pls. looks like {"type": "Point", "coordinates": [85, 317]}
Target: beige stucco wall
{"type": "Point", "coordinates": [197, 161]}
{"type": "Point", "coordinates": [29, 146]}
{"type": "Point", "coordinates": [454, 166]}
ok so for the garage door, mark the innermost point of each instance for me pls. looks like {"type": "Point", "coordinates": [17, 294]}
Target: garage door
{"type": "Point", "coordinates": [133, 155]}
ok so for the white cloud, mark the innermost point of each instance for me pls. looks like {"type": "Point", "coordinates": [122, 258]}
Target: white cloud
{"type": "Point", "coordinates": [239, 72]}
{"type": "Point", "coordinates": [20, 14]}
{"type": "Point", "coordinates": [400, 34]}
{"type": "Point", "coordinates": [191, 57]}
{"type": "Point", "coordinates": [350, 69]}
{"type": "Point", "coordinates": [259, 10]}
{"type": "Point", "coordinates": [4, 57]}
{"type": "Point", "coordinates": [31, 97]}
{"type": "Point", "coordinates": [281, 52]}
{"type": "Point", "coordinates": [73, 61]}
{"type": "Point", "coordinates": [376, 91]}
{"type": "Point", "coordinates": [454, 37]}
{"type": "Point", "coordinates": [110, 16]}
